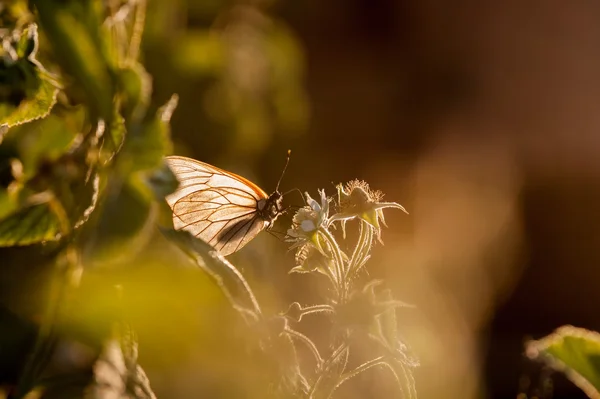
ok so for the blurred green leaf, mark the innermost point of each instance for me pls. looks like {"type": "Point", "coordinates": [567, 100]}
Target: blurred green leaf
{"type": "Point", "coordinates": [41, 141]}
{"type": "Point", "coordinates": [117, 373]}
{"type": "Point", "coordinates": [27, 43]}
{"type": "Point", "coordinates": [145, 148]}
{"type": "Point", "coordinates": [33, 224]}
{"type": "Point", "coordinates": [70, 27]}
{"type": "Point", "coordinates": [65, 204]}
{"type": "Point", "coordinates": [113, 137]}
{"type": "Point", "coordinates": [573, 351]}
{"type": "Point", "coordinates": [27, 92]}
{"type": "Point", "coordinates": [7, 204]}
{"type": "Point", "coordinates": [227, 277]}
{"type": "Point", "coordinates": [135, 86]}
{"type": "Point", "coordinates": [153, 295]}
{"type": "Point", "coordinates": [13, 11]}
{"type": "Point", "coordinates": [129, 215]}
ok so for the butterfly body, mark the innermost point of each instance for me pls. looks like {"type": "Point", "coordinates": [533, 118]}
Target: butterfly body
{"type": "Point", "coordinates": [219, 207]}
{"type": "Point", "coordinates": [269, 209]}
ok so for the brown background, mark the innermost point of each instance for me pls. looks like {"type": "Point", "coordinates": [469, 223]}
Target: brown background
{"type": "Point", "coordinates": [481, 118]}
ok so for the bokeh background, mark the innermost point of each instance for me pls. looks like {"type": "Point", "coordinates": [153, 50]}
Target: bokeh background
{"type": "Point", "coordinates": [480, 117]}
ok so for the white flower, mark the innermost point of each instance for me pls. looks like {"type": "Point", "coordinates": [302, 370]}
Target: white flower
{"type": "Point", "coordinates": [304, 234]}
{"type": "Point", "coordinates": [309, 219]}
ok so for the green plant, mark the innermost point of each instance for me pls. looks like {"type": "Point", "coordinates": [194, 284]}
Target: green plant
{"type": "Point", "coordinates": [80, 145]}
{"type": "Point", "coordinates": [82, 188]}
{"type": "Point", "coordinates": [357, 311]}
{"type": "Point", "coordinates": [573, 351]}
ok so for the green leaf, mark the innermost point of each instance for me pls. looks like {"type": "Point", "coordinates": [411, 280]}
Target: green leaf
{"type": "Point", "coordinates": [112, 142]}
{"type": "Point", "coordinates": [145, 148]}
{"type": "Point", "coordinates": [27, 44]}
{"type": "Point", "coordinates": [7, 205]}
{"type": "Point", "coordinates": [573, 351]}
{"type": "Point", "coordinates": [126, 225]}
{"type": "Point", "coordinates": [72, 29]}
{"type": "Point", "coordinates": [42, 216]}
{"type": "Point", "coordinates": [41, 141]}
{"type": "Point", "coordinates": [135, 86]}
{"type": "Point", "coordinates": [35, 107]}
{"type": "Point", "coordinates": [33, 224]}
{"type": "Point", "coordinates": [226, 276]}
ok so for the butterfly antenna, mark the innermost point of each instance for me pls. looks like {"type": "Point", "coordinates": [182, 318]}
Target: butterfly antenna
{"type": "Point", "coordinates": [284, 168]}
{"type": "Point", "coordinates": [277, 234]}
{"type": "Point", "coordinates": [298, 191]}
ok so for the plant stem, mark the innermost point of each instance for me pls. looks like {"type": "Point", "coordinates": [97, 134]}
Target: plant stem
{"type": "Point", "coordinates": [338, 261]}
{"type": "Point", "coordinates": [324, 371]}
{"type": "Point", "coordinates": [308, 342]}
{"type": "Point", "coordinates": [222, 271]}
{"type": "Point", "coordinates": [315, 309]}
{"type": "Point", "coordinates": [378, 361]}
{"type": "Point", "coordinates": [361, 251]}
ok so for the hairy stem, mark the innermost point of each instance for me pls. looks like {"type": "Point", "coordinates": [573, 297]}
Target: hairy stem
{"type": "Point", "coordinates": [361, 251]}
{"type": "Point", "coordinates": [338, 261]}
{"type": "Point", "coordinates": [325, 373]}
{"type": "Point", "coordinates": [380, 361]}
{"type": "Point", "coordinates": [315, 309]}
{"type": "Point", "coordinates": [309, 344]}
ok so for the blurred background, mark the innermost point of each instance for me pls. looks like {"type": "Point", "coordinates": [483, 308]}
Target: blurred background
{"type": "Point", "coordinates": [478, 116]}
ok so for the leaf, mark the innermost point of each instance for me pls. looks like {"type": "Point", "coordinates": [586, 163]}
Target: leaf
{"type": "Point", "coordinates": [145, 148]}
{"type": "Point", "coordinates": [41, 141]}
{"type": "Point", "coordinates": [27, 44]}
{"type": "Point", "coordinates": [127, 219]}
{"type": "Point", "coordinates": [573, 351]}
{"type": "Point", "coordinates": [49, 215]}
{"type": "Point", "coordinates": [226, 276]}
{"type": "Point", "coordinates": [73, 30]}
{"type": "Point", "coordinates": [135, 86]}
{"type": "Point", "coordinates": [113, 141]}
{"type": "Point", "coordinates": [32, 92]}
{"type": "Point", "coordinates": [7, 205]}
{"type": "Point", "coordinates": [33, 224]}
{"type": "Point", "coordinates": [117, 374]}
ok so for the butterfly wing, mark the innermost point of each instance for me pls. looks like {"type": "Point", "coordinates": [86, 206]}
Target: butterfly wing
{"type": "Point", "coordinates": [219, 207]}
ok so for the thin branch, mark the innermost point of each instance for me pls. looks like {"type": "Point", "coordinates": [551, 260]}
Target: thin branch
{"type": "Point", "coordinates": [338, 260]}
{"type": "Point", "coordinates": [341, 350]}
{"type": "Point", "coordinates": [315, 309]}
{"type": "Point", "coordinates": [308, 342]}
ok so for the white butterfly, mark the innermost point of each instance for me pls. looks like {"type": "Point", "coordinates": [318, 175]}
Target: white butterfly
{"type": "Point", "coordinates": [221, 208]}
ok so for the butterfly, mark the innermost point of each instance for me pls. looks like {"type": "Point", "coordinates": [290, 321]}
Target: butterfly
{"type": "Point", "coordinates": [221, 208]}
